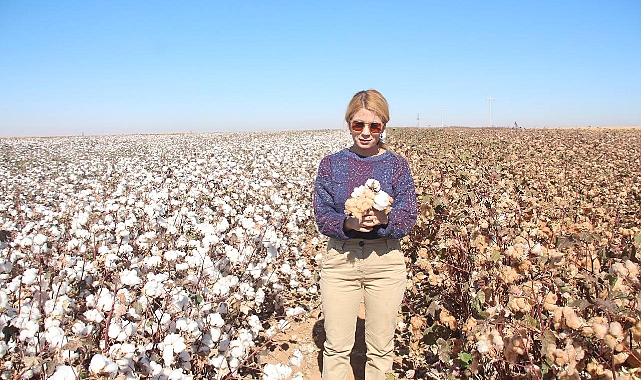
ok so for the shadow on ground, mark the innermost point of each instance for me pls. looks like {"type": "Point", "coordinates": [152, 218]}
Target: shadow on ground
{"type": "Point", "coordinates": [357, 356]}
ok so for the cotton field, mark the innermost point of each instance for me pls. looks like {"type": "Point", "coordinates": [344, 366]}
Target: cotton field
{"type": "Point", "coordinates": [160, 256]}
{"type": "Point", "coordinates": [182, 256]}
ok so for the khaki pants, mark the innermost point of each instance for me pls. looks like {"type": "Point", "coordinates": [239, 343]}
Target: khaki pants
{"type": "Point", "coordinates": [352, 269]}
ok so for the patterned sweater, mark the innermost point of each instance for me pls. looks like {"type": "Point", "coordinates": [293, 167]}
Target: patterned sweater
{"type": "Point", "coordinates": [341, 172]}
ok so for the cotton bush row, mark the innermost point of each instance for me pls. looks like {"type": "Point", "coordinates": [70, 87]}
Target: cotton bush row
{"type": "Point", "coordinates": [525, 259]}
{"type": "Point", "coordinates": [164, 256]}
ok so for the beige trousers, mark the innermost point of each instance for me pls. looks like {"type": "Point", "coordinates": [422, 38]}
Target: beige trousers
{"type": "Point", "coordinates": [373, 270]}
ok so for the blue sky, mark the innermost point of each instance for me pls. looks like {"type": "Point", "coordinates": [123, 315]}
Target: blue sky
{"type": "Point", "coordinates": [106, 67]}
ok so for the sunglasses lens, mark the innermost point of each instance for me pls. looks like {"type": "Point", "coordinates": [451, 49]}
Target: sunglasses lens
{"type": "Point", "coordinates": [358, 125]}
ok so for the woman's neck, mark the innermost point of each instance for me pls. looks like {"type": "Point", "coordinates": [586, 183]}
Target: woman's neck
{"type": "Point", "coordinates": [374, 151]}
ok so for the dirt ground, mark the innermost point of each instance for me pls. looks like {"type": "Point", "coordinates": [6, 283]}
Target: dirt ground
{"type": "Point", "coordinates": [308, 336]}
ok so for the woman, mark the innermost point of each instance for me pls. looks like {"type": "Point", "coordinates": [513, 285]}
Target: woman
{"type": "Point", "coordinates": [363, 259]}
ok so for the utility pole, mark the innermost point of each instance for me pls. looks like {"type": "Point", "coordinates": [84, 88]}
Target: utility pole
{"type": "Point", "coordinates": [418, 118]}
{"type": "Point", "coordinates": [442, 112]}
{"type": "Point", "coordinates": [489, 99]}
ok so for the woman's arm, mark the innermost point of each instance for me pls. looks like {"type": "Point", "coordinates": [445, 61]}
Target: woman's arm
{"type": "Point", "coordinates": [329, 220]}
{"type": "Point", "coordinates": [402, 217]}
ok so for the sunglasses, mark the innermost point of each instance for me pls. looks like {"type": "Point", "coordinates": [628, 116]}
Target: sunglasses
{"type": "Point", "coordinates": [374, 127]}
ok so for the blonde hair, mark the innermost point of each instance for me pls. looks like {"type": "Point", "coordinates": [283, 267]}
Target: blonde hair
{"type": "Point", "coordinates": [372, 101]}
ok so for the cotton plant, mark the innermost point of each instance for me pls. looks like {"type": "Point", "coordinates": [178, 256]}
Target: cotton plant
{"type": "Point", "coordinates": [131, 260]}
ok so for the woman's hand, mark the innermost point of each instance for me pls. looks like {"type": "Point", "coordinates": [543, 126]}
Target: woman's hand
{"type": "Point", "coordinates": [367, 223]}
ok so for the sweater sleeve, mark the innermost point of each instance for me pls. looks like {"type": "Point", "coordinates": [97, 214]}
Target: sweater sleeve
{"type": "Point", "coordinates": [402, 217]}
{"type": "Point", "coordinates": [328, 218]}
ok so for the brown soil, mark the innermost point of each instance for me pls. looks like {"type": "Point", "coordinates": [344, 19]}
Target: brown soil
{"type": "Point", "coordinates": [308, 336]}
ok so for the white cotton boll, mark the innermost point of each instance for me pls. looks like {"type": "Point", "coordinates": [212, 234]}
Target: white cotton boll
{"type": "Point", "coordinates": [176, 341]}
{"type": "Point", "coordinates": [168, 356]}
{"type": "Point", "coordinates": [94, 315]}
{"type": "Point", "coordinates": [313, 289]}
{"type": "Point", "coordinates": [232, 254]}
{"type": "Point", "coordinates": [130, 277]}
{"type": "Point", "coordinates": [214, 334]}
{"type": "Point", "coordinates": [127, 350]}
{"type": "Point", "coordinates": [30, 276]}
{"type": "Point", "coordinates": [111, 261]}
{"type": "Point", "coordinates": [3, 348]}
{"type": "Point", "coordinates": [222, 225]}
{"type": "Point", "coordinates": [105, 300]}
{"type": "Point", "coordinates": [64, 372]}
{"type": "Point", "coordinates": [26, 242]}
{"type": "Point", "coordinates": [29, 330]}
{"type": "Point", "coordinates": [260, 296]}
{"type": "Point", "coordinates": [153, 288]}
{"type": "Point", "coordinates": [286, 269]}
{"type": "Point", "coordinates": [295, 311]}
{"type": "Point", "coordinates": [177, 374]}
{"type": "Point", "coordinates": [188, 325]}
{"type": "Point", "coordinates": [381, 201]}
{"type": "Point", "coordinates": [172, 255]}
{"type": "Point", "coordinates": [51, 322]}
{"type": "Point", "coordinates": [182, 267]}
{"type": "Point", "coordinates": [69, 355]}
{"type": "Point", "coordinates": [482, 346]}
{"type": "Point", "coordinates": [152, 261]}
{"type": "Point", "coordinates": [357, 191]}
{"type": "Point", "coordinates": [373, 184]}
{"type": "Point", "coordinates": [125, 249]}
{"type": "Point", "coordinates": [127, 331]}
{"type": "Point", "coordinates": [39, 239]}
{"type": "Point", "coordinates": [101, 365]}
{"type": "Point", "coordinates": [218, 361]}
{"type": "Point", "coordinates": [276, 371]}
{"type": "Point", "coordinates": [56, 337]}
{"type": "Point", "coordinates": [233, 362]}
{"type": "Point", "coordinates": [114, 330]}
{"type": "Point", "coordinates": [215, 319]}
{"type": "Point", "coordinates": [297, 358]}
{"type": "Point", "coordinates": [221, 287]}
{"type": "Point", "coordinates": [80, 329]}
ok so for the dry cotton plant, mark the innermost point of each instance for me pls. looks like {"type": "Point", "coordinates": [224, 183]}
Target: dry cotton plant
{"type": "Point", "coordinates": [525, 258]}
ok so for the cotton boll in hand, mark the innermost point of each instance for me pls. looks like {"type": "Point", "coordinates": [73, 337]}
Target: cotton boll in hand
{"type": "Point", "coordinates": [367, 197]}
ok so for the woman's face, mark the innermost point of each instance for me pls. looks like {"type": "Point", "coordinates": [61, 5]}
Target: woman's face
{"type": "Point", "coordinates": [366, 140]}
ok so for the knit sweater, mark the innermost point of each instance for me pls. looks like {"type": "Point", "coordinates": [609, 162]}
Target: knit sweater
{"type": "Point", "coordinates": [341, 172]}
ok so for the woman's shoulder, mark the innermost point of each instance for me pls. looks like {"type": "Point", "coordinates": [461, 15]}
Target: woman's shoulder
{"type": "Point", "coordinates": [391, 155]}
{"type": "Point", "coordinates": [334, 157]}
{"type": "Point", "coordinates": [341, 154]}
